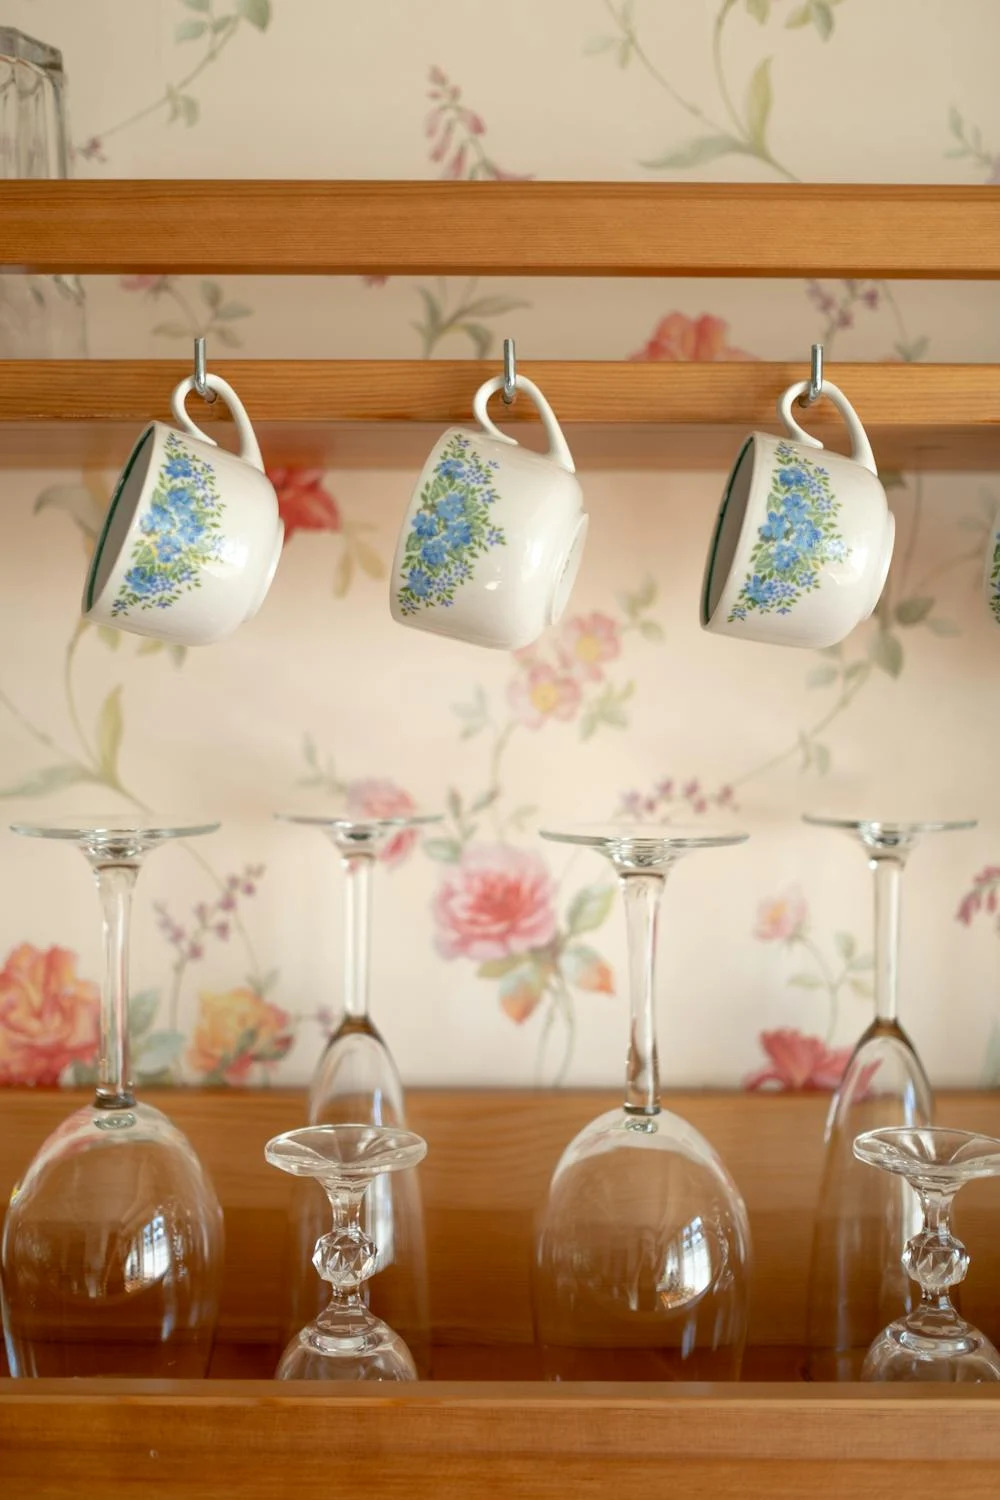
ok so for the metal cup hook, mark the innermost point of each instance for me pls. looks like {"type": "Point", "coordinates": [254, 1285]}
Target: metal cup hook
{"type": "Point", "coordinates": [201, 385]}
{"type": "Point", "coordinates": [815, 377]}
{"type": "Point", "coordinates": [509, 372]}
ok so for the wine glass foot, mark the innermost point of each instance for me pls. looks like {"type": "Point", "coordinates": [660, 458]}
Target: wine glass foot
{"type": "Point", "coordinates": [362, 1349]}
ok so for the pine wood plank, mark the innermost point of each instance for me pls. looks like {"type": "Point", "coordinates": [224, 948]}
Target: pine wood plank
{"type": "Point", "coordinates": [490, 1155]}
{"type": "Point", "coordinates": [505, 228]}
{"type": "Point", "coordinates": [260, 1440]}
{"type": "Point", "coordinates": [387, 413]}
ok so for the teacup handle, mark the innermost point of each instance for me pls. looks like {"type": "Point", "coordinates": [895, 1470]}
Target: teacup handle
{"type": "Point", "coordinates": [249, 451]}
{"type": "Point", "coordinates": [558, 447]}
{"type": "Point", "coordinates": [862, 449]}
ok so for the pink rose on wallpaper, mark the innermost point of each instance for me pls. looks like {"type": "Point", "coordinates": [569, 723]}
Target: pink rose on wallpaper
{"type": "Point", "coordinates": [798, 1062]}
{"type": "Point", "coordinates": [146, 283]}
{"type": "Point", "coordinates": [49, 1017]}
{"type": "Point", "coordinates": [541, 692]}
{"type": "Point", "coordinates": [678, 337]}
{"type": "Point", "coordinates": [782, 919]}
{"type": "Point", "coordinates": [303, 502]}
{"type": "Point", "coordinates": [496, 901]}
{"type": "Point", "coordinates": [374, 798]}
{"type": "Point", "coordinates": [586, 642]}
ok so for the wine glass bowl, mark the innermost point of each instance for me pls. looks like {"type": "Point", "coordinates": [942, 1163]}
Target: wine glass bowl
{"type": "Point", "coordinates": [356, 1079]}
{"type": "Point", "coordinates": [864, 1220]}
{"type": "Point", "coordinates": [346, 1340]}
{"type": "Point", "coordinates": [112, 1250]}
{"type": "Point", "coordinates": [642, 1247]}
{"type": "Point", "coordinates": [931, 1341]}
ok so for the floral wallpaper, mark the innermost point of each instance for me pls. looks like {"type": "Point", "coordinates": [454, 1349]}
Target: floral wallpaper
{"type": "Point", "coordinates": [499, 958]}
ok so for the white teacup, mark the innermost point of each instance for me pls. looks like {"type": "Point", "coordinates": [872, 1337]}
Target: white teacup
{"type": "Point", "coordinates": [493, 536]}
{"type": "Point", "coordinates": [192, 536]}
{"type": "Point", "coordinates": [801, 548]}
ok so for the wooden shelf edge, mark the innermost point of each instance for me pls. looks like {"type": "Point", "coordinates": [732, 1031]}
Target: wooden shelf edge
{"type": "Point", "coordinates": [386, 413]}
{"type": "Point", "coordinates": [501, 228]}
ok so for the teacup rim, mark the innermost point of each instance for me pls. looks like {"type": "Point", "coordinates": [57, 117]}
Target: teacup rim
{"type": "Point", "coordinates": [90, 586]}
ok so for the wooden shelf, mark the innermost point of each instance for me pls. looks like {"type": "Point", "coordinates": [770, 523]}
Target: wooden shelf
{"type": "Point", "coordinates": [483, 1426]}
{"type": "Point", "coordinates": [501, 228]}
{"type": "Point", "coordinates": [387, 413]}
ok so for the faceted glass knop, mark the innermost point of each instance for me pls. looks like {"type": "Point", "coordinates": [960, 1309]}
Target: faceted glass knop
{"type": "Point", "coordinates": [345, 1258]}
{"type": "Point", "coordinates": [935, 1262]}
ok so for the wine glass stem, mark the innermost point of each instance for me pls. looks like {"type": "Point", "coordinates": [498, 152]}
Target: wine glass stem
{"type": "Point", "coordinates": [642, 893]}
{"type": "Point", "coordinates": [357, 947]}
{"type": "Point", "coordinates": [115, 884]}
{"type": "Point", "coordinates": [346, 1203]}
{"type": "Point", "coordinates": [887, 870]}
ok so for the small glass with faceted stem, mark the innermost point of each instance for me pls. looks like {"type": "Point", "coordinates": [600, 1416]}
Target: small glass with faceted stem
{"type": "Point", "coordinates": [112, 1246]}
{"type": "Point", "coordinates": [863, 1220]}
{"type": "Point", "coordinates": [346, 1341]}
{"type": "Point", "coordinates": [932, 1341]}
{"type": "Point", "coordinates": [356, 1082]}
{"type": "Point", "coordinates": [643, 1246]}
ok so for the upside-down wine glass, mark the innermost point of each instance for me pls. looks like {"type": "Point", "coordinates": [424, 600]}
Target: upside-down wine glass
{"type": "Point", "coordinates": [113, 1244]}
{"type": "Point", "coordinates": [864, 1219]}
{"type": "Point", "coordinates": [356, 1082]}
{"type": "Point", "coordinates": [932, 1341]}
{"type": "Point", "coordinates": [643, 1246]}
{"type": "Point", "coordinates": [346, 1341]}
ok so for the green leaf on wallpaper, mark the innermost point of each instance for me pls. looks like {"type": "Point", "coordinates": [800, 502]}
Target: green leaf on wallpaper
{"type": "Point", "coordinates": [108, 636]}
{"type": "Point", "coordinates": [942, 627]}
{"type": "Point", "coordinates": [760, 10]}
{"type": "Point", "coordinates": [367, 558]}
{"type": "Point", "coordinates": [189, 31]}
{"type": "Point", "coordinates": [211, 293]}
{"type": "Point", "coordinates": [886, 652]}
{"type": "Point", "coordinates": [199, 5]}
{"type": "Point", "coordinates": [485, 800]}
{"type": "Point", "coordinates": [800, 17]}
{"type": "Point", "coordinates": [589, 908]}
{"type": "Point", "coordinates": [625, 53]}
{"type": "Point", "coordinates": [110, 727]}
{"type": "Point", "coordinates": [608, 708]}
{"type": "Point", "coordinates": [479, 335]}
{"type": "Point", "coordinates": [257, 12]}
{"type": "Point", "coordinates": [142, 1010]}
{"type": "Point", "coordinates": [227, 336]}
{"type": "Point", "coordinates": [859, 987]}
{"type": "Point", "coordinates": [78, 501]}
{"type": "Point", "coordinates": [758, 104]}
{"type": "Point", "coordinates": [855, 670]}
{"type": "Point", "coordinates": [651, 630]}
{"type": "Point", "coordinates": [47, 779]}
{"type": "Point", "coordinates": [158, 1053]}
{"type": "Point", "coordinates": [343, 573]}
{"type": "Point", "coordinates": [805, 982]}
{"type": "Point", "coordinates": [173, 329]}
{"type": "Point", "coordinates": [519, 817]}
{"type": "Point", "coordinates": [230, 310]}
{"type": "Point", "coordinates": [955, 122]}
{"type": "Point", "coordinates": [821, 757]}
{"type": "Point", "coordinates": [445, 851]}
{"type": "Point", "coordinates": [496, 968]}
{"type": "Point", "coordinates": [845, 945]}
{"type": "Point", "coordinates": [892, 479]}
{"type": "Point", "coordinates": [693, 153]}
{"type": "Point", "coordinates": [912, 611]}
{"type": "Point", "coordinates": [642, 599]}
{"type": "Point", "coordinates": [822, 675]}
{"type": "Point", "coordinates": [599, 44]}
{"type": "Point", "coordinates": [913, 350]}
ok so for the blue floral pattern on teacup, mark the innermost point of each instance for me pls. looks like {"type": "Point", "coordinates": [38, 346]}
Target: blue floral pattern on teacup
{"type": "Point", "coordinates": [994, 600]}
{"type": "Point", "coordinates": [178, 535]}
{"type": "Point", "coordinates": [798, 537]}
{"type": "Point", "coordinates": [452, 525]}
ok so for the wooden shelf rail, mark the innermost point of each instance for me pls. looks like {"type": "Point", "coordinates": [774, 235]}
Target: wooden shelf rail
{"type": "Point", "coordinates": [349, 413]}
{"type": "Point", "coordinates": [505, 228]}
